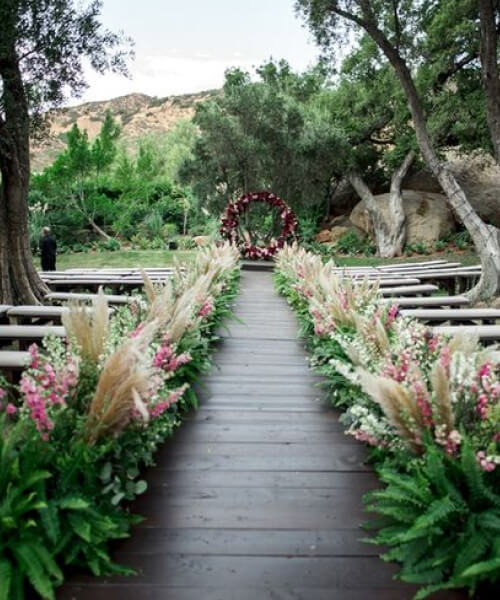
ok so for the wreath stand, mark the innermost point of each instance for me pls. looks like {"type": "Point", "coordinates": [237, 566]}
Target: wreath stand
{"type": "Point", "coordinates": [252, 246]}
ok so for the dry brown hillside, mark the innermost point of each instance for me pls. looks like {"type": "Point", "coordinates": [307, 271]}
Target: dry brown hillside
{"type": "Point", "coordinates": [138, 115]}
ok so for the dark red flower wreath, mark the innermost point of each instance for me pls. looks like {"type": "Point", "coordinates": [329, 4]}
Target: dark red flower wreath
{"type": "Point", "coordinates": [230, 225]}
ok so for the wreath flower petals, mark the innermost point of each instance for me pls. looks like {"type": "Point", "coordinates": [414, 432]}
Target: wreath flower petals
{"type": "Point", "coordinates": [231, 219]}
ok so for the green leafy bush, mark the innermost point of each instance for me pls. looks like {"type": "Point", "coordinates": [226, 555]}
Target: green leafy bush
{"type": "Point", "coordinates": [440, 520]}
{"type": "Point", "coordinates": [351, 243]}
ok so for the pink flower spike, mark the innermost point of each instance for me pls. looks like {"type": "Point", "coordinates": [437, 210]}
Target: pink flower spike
{"type": "Point", "coordinates": [11, 409]}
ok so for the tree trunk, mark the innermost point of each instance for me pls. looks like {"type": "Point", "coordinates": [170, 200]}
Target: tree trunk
{"type": "Point", "coordinates": [489, 69]}
{"type": "Point", "coordinates": [97, 229]}
{"type": "Point", "coordinates": [486, 238]}
{"type": "Point", "coordinates": [396, 208]}
{"type": "Point", "coordinates": [390, 235]}
{"type": "Point", "coordinates": [19, 280]}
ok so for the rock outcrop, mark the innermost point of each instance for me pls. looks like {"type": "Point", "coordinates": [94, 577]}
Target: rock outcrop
{"type": "Point", "coordinates": [428, 216]}
{"type": "Point", "coordinates": [479, 176]}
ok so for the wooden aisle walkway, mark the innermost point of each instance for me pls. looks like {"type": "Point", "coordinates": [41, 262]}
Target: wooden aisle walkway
{"type": "Point", "coordinates": [258, 495]}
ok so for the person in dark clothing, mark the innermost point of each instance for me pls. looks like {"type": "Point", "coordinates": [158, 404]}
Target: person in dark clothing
{"type": "Point", "coordinates": [48, 248]}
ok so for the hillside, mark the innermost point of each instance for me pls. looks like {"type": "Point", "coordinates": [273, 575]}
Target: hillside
{"type": "Point", "coordinates": [138, 115]}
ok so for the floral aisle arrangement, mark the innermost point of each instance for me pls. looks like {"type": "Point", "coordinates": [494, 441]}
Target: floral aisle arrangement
{"type": "Point", "coordinates": [88, 415]}
{"type": "Point", "coordinates": [427, 406]}
{"type": "Point", "coordinates": [264, 247]}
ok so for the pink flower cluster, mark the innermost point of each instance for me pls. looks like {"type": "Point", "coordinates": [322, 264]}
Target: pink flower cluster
{"type": "Point", "coordinates": [487, 390]}
{"type": "Point", "coordinates": [160, 407]}
{"type": "Point", "coordinates": [206, 309]}
{"type": "Point", "coordinates": [391, 316]}
{"type": "Point", "coordinates": [485, 462]}
{"type": "Point", "coordinates": [43, 388]}
{"type": "Point", "coordinates": [397, 370]}
{"type": "Point", "coordinates": [166, 359]}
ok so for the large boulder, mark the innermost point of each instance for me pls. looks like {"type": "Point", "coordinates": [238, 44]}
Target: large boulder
{"type": "Point", "coordinates": [479, 176]}
{"type": "Point", "coordinates": [428, 216]}
{"type": "Point", "coordinates": [333, 235]}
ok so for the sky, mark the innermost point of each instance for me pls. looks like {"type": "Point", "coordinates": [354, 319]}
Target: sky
{"type": "Point", "coordinates": [185, 46]}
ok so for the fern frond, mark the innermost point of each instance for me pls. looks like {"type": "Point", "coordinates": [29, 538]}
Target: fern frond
{"type": "Point", "coordinates": [6, 573]}
{"type": "Point", "coordinates": [472, 549]}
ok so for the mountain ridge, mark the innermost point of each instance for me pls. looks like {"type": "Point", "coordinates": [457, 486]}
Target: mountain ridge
{"type": "Point", "coordinates": [138, 115]}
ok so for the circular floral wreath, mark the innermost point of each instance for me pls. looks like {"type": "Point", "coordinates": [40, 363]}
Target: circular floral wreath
{"type": "Point", "coordinates": [231, 220]}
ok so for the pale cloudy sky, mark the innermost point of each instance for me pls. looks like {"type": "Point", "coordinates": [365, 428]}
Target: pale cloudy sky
{"type": "Point", "coordinates": [185, 46]}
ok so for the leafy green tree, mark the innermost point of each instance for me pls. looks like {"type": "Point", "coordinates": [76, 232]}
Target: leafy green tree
{"type": "Point", "coordinates": [43, 46]}
{"type": "Point", "coordinates": [257, 136]}
{"type": "Point", "coordinates": [104, 146]}
{"type": "Point", "coordinates": [397, 27]}
{"type": "Point", "coordinates": [73, 178]}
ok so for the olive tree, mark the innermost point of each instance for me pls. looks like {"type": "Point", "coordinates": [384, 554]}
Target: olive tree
{"type": "Point", "coordinates": [396, 28]}
{"type": "Point", "coordinates": [43, 46]}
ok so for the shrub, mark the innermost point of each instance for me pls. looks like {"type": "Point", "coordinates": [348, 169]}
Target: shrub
{"type": "Point", "coordinates": [169, 230]}
{"type": "Point", "coordinates": [351, 243]}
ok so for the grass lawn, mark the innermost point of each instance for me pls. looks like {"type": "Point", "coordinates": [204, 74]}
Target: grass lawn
{"type": "Point", "coordinates": [162, 258]}
{"type": "Point", "coordinates": [122, 258]}
{"type": "Point", "coordinates": [465, 257]}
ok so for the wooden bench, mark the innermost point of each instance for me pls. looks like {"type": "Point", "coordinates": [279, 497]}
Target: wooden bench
{"type": "Point", "coordinates": [12, 363]}
{"type": "Point", "coordinates": [410, 290]}
{"type": "Point", "coordinates": [428, 301]}
{"type": "Point", "coordinates": [13, 360]}
{"type": "Point", "coordinates": [486, 333]}
{"type": "Point", "coordinates": [425, 264]}
{"type": "Point", "coordinates": [486, 316]}
{"type": "Point", "coordinates": [59, 297]}
{"type": "Point", "coordinates": [389, 282]}
{"type": "Point", "coordinates": [37, 315]}
{"type": "Point", "coordinates": [24, 335]}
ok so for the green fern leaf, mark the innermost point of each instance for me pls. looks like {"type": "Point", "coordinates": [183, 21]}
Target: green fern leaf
{"type": "Point", "coordinates": [34, 570]}
{"type": "Point", "coordinates": [427, 577]}
{"type": "Point", "coordinates": [49, 517]}
{"type": "Point", "coordinates": [413, 485]}
{"type": "Point", "coordinates": [48, 562]}
{"type": "Point", "coordinates": [425, 592]}
{"type": "Point", "coordinates": [472, 549]}
{"type": "Point", "coordinates": [472, 473]}
{"type": "Point", "coordinates": [437, 512]}
{"type": "Point", "coordinates": [401, 514]}
{"type": "Point", "coordinates": [80, 526]}
{"type": "Point", "coordinates": [482, 568]}
{"type": "Point", "coordinates": [6, 573]}
{"type": "Point", "coordinates": [73, 503]}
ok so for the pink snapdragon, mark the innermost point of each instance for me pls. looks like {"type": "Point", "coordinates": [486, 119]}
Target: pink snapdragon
{"type": "Point", "coordinates": [445, 357]}
{"type": "Point", "coordinates": [391, 315]}
{"type": "Point", "coordinates": [206, 309]}
{"type": "Point", "coordinates": [11, 409]}
{"type": "Point", "coordinates": [422, 399]}
{"type": "Point", "coordinates": [160, 407]}
{"type": "Point", "coordinates": [44, 387]}
{"type": "Point", "coordinates": [166, 359]}
{"type": "Point", "coordinates": [138, 330]}
{"type": "Point", "coordinates": [371, 440]}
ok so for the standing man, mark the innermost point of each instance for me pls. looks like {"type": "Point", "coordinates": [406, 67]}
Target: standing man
{"type": "Point", "coordinates": [48, 248]}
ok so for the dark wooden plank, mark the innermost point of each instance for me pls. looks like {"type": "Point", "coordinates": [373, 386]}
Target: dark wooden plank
{"type": "Point", "coordinates": [165, 592]}
{"type": "Point", "coordinates": [235, 571]}
{"type": "Point", "coordinates": [167, 476]}
{"type": "Point", "coordinates": [248, 542]}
